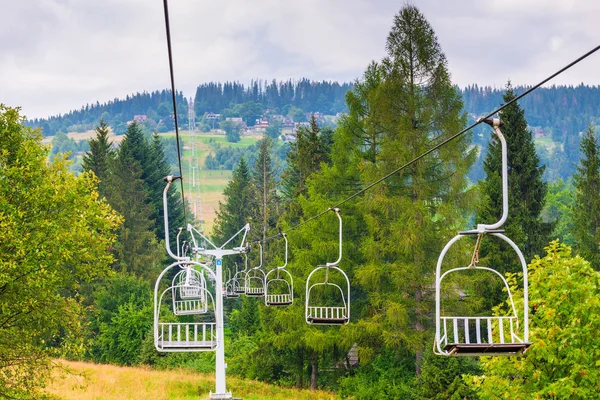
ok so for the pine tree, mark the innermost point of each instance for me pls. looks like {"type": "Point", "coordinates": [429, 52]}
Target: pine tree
{"type": "Point", "coordinates": [526, 191]}
{"type": "Point", "coordinates": [137, 250]}
{"type": "Point", "coordinates": [155, 181]}
{"type": "Point", "coordinates": [236, 209]}
{"type": "Point", "coordinates": [264, 180]}
{"type": "Point", "coordinates": [586, 211]}
{"type": "Point", "coordinates": [305, 157]}
{"type": "Point", "coordinates": [100, 156]}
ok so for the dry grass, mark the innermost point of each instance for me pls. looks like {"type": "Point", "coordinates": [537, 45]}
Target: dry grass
{"type": "Point", "coordinates": [108, 382]}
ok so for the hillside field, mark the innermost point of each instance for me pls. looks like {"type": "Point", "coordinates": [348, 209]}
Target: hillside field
{"type": "Point", "coordinates": [87, 381]}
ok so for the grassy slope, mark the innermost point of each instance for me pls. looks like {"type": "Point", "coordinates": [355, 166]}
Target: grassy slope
{"type": "Point", "coordinates": [209, 184]}
{"type": "Point", "coordinates": [108, 382]}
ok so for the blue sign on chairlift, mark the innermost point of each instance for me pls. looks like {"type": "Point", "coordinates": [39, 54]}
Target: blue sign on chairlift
{"type": "Point", "coordinates": [219, 262]}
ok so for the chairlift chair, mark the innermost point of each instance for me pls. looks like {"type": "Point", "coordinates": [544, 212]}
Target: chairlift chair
{"type": "Point", "coordinates": [483, 335]}
{"type": "Point", "coordinates": [255, 279]}
{"type": "Point", "coordinates": [173, 335]}
{"type": "Point", "coordinates": [230, 293]}
{"type": "Point", "coordinates": [337, 313]}
{"type": "Point", "coordinates": [279, 284]}
{"type": "Point", "coordinates": [189, 292]}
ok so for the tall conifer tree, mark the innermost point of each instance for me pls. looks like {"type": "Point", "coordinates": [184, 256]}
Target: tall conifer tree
{"type": "Point", "coordinates": [402, 107]}
{"type": "Point", "coordinates": [236, 209]}
{"type": "Point", "coordinates": [526, 191]}
{"type": "Point", "coordinates": [100, 156]}
{"type": "Point", "coordinates": [264, 179]}
{"type": "Point", "coordinates": [586, 211]}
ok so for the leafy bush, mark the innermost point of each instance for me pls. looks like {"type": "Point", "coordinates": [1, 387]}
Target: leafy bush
{"type": "Point", "coordinates": [562, 362]}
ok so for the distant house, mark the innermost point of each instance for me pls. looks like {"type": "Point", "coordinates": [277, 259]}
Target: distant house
{"type": "Point", "coordinates": [261, 124]}
{"type": "Point", "coordinates": [212, 116]}
{"type": "Point", "coordinates": [140, 118]}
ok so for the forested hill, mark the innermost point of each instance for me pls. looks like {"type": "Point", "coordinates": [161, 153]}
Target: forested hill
{"type": "Point", "coordinates": [557, 110]}
{"type": "Point", "coordinates": [229, 99]}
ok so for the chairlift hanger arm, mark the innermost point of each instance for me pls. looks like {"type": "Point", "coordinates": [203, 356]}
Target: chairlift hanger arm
{"type": "Point", "coordinates": [336, 262]}
{"type": "Point", "coordinates": [178, 234]}
{"type": "Point", "coordinates": [286, 251]}
{"type": "Point", "coordinates": [496, 123]}
{"type": "Point", "coordinates": [192, 229]}
{"type": "Point", "coordinates": [169, 179]}
{"type": "Point", "coordinates": [245, 229]}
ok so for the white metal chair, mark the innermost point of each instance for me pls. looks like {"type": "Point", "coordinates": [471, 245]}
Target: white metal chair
{"type": "Point", "coordinates": [173, 335]}
{"type": "Point", "coordinates": [486, 335]}
{"type": "Point", "coordinates": [279, 284]}
{"type": "Point", "coordinates": [190, 292]}
{"type": "Point", "coordinates": [329, 312]}
{"type": "Point", "coordinates": [255, 279]}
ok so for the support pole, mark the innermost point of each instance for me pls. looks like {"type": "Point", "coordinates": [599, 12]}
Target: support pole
{"type": "Point", "coordinates": [221, 391]}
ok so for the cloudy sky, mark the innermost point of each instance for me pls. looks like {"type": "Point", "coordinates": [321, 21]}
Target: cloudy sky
{"type": "Point", "coordinates": [57, 55]}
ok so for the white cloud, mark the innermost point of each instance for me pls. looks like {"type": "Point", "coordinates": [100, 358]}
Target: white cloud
{"type": "Point", "coordinates": [58, 55]}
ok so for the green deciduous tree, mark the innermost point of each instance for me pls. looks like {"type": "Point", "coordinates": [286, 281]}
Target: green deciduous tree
{"type": "Point", "coordinates": [55, 233]}
{"type": "Point", "coordinates": [558, 210]}
{"type": "Point", "coordinates": [586, 209]}
{"type": "Point", "coordinates": [562, 362]}
{"type": "Point", "coordinates": [232, 130]}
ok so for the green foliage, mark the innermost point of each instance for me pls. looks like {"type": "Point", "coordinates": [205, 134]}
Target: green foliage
{"type": "Point", "coordinates": [264, 179]}
{"type": "Point", "coordinates": [274, 129]}
{"type": "Point", "coordinates": [441, 378]}
{"type": "Point", "coordinates": [586, 210]}
{"type": "Point", "coordinates": [389, 375]}
{"type": "Point", "coordinates": [100, 157]}
{"type": "Point", "coordinates": [402, 106]}
{"type": "Point", "coordinates": [304, 158]}
{"type": "Point", "coordinates": [558, 210]}
{"type": "Point", "coordinates": [236, 210]}
{"type": "Point", "coordinates": [562, 362]}
{"type": "Point", "coordinates": [232, 130]}
{"type": "Point", "coordinates": [55, 234]}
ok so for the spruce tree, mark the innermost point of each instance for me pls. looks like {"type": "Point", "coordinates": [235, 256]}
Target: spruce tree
{"type": "Point", "coordinates": [236, 209]}
{"type": "Point", "coordinates": [305, 157]}
{"type": "Point", "coordinates": [100, 156]}
{"type": "Point", "coordinates": [586, 210]}
{"type": "Point", "coordinates": [137, 251]}
{"type": "Point", "coordinates": [526, 191]}
{"type": "Point", "coordinates": [159, 169]}
{"type": "Point", "coordinates": [265, 184]}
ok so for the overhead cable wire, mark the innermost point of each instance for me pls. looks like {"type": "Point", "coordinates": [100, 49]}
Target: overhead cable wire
{"type": "Point", "coordinates": [434, 148]}
{"type": "Point", "coordinates": [168, 29]}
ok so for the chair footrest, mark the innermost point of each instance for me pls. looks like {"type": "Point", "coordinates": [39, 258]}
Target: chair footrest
{"type": "Point", "coordinates": [327, 321]}
{"type": "Point", "coordinates": [485, 348]}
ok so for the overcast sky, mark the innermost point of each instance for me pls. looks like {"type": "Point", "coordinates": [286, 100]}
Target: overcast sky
{"type": "Point", "coordinates": [58, 55]}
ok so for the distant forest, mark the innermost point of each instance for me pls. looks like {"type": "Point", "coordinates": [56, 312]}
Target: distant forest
{"type": "Point", "coordinates": [557, 115]}
{"type": "Point", "coordinates": [230, 99]}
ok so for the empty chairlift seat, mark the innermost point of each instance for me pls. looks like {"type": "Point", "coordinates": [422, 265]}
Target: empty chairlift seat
{"type": "Point", "coordinates": [190, 298]}
{"type": "Point", "coordinates": [477, 335]}
{"type": "Point", "coordinates": [279, 284]}
{"type": "Point", "coordinates": [327, 300]}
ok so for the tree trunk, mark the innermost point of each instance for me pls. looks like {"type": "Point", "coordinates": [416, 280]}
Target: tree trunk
{"type": "Point", "coordinates": [314, 375]}
{"type": "Point", "coordinates": [299, 382]}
